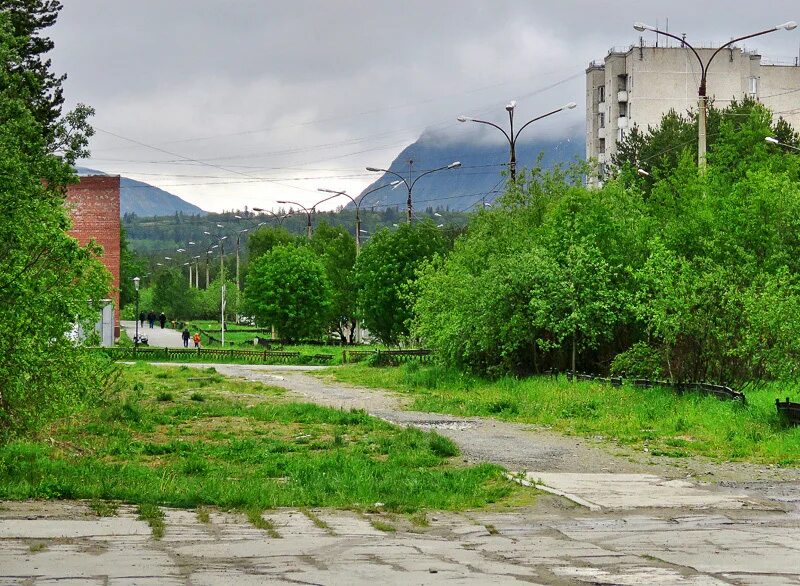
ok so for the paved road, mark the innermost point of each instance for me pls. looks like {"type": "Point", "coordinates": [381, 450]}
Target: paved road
{"type": "Point", "coordinates": [166, 338]}
{"type": "Point", "coordinates": [626, 520]}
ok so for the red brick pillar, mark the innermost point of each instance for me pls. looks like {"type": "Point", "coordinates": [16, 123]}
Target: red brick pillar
{"type": "Point", "coordinates": [94, 207]}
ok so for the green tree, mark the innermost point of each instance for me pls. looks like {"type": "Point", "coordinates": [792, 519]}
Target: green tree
{"type": "Point", "coordinates": [385, 271]}
{"type": "Point", "coordinates": [130, 265]}
{"type": "Point", "coordinates": [337, 249]}
{"type": "Point", "coordinates": [264, 239]}
{"type": "Point", "coordinates": [48, 283]}
{"type": "Point", "coordinates": [289, 288]}
{"type": "Point", "coordinates": [171, 295]}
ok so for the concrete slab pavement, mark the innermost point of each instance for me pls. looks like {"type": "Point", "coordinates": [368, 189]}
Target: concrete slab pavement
{"type": "Point", "coordinates": [166, 338]}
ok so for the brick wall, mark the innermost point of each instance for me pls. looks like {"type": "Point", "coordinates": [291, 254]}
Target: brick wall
{"type": "Point", "coordinates": [94, 206]}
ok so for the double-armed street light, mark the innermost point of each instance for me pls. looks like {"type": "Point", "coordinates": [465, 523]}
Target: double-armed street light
{"type": "Point", "coordinates": [411, 183]}
{"type": "Point", "coordinates": [702, 98]}
{"type": "Point", "coordinates": [308, 212]}
{"type": "Point", "coordinates": [357, 202]}
{"type": "Point", "coordinates": [275, 216]}
{"type": "Point", "coordinates": [512, 136]}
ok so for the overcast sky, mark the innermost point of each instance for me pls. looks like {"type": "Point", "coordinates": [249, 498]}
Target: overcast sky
{"type": "Point", "coordinates": [244, 102]}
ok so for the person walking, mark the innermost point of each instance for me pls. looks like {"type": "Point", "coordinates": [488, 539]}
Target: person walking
{"type": "Point", "coordinates": [185, 336]}
{"type": "Point", "coordinates": [151, 318]}
{"type": "Point", "coordinates": [162, 319]}
{"type": "Point", "coordinates": [142, 316]}
{"type": "Point", "coordinates": [196, 339]}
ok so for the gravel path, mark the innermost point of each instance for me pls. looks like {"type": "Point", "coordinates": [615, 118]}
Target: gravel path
{"type": "Point", "coordinates": [519, 446]}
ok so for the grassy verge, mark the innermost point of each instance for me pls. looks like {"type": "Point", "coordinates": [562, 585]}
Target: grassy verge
{"type": "Point", "coordinates": [242, 447]}
{"type": "Point", "coordinates": [665, 423]}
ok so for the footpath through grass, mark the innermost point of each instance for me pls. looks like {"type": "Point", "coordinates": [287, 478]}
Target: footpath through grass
{"type": "Point", "coordinates": [666, 423]}
{"type": "Point", "coordinates": [185, 437]}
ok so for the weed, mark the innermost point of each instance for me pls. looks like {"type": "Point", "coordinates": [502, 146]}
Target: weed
{"type": "Point", "coordinates": [383, 526]}
{"type": "Point", "coordinates": [492, 529]}
{"type": "Point", "coordinates": [197, 397]}
{"type": "Point", "coordinates": [420, 519]}
{"type": "Point", "coordinates": [164, 396]}
{"type": "Point", "coordinates": [154, 517]}
{"type": "Point", "coordinates": [103, 508]}
{"type": "Point", "coordinates": [442, 446]}
{"type": "Point", "coordinates": [203, 515]}
{"type": "Point", "coordinates": [256, 518]}
{"type": "Point", "coordinates": [315, 519]}
{"type": "Point", "coordinates": [37, 546]}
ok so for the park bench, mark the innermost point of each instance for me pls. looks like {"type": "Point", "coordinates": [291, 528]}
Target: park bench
{"type": "Point", "coordinates": [788, 411]}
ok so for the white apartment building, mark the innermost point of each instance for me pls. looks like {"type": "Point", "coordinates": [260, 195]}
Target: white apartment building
{"type": "Point", "coordinates": [637, 85]}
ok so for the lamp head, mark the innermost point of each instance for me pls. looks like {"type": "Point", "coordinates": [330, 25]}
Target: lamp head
{"type": "Point", "coordinates": [192, 243]}
{"type": "Point", "coordinates": [454, 165]}
{"type": "Point", "coordinates": [282, 202]}
{"type": "Point", "coordinates": [570, 106]}
{"type": "Point", "coordinates": [167, 258]}
{"type": "Point", "coordinates": [206, 233]}
{"type": "Point", "coordinates": [374, 169]}
{"type": "Point", "coordinates": [772, 140]}
{"type": "Point", "coordinates": [511, 105]}
{"type": "Point", "coordinates": [220, 226]}
{"type": "Point", "coordinates": [788, 26]}
{"type": "Point", "coordinates": [223, 238]}
{"type": "Point", "coordinates": [464, 119]}
{"type": "Point", "coordinates": [642, 173]}
{"type": "Point", "coordinates": [136, 283]}
{"type": "Point", "coordinates": [258, 209]}
{"type": "Point", "coordinates": [237, 217]}
{"type": "Point", "coordinates": [641, 27]}
{"type": "Point", "coordinates": [181, 250]}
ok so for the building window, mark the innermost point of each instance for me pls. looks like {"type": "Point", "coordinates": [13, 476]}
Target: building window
{"type": "Point", "coordinates": [601, 93]}
{"type": "Point", "coordinates": [623, 109]}
{"type": "Point", "coordinates": [601, 120]}
{"type": "Point", "coordinates": [622, 82]}
{"type": "Point", "coordinates": [602, 145]}
{"type": "Point", "coordinates": [753, 86]}
{"type": "Point", "coordinates": [620, 135]}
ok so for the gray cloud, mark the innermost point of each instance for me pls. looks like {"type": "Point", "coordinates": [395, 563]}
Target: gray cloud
{"type": "Point", "coordinates": [288, 90]}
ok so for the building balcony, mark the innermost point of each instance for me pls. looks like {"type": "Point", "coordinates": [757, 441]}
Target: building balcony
{"type": "Point", "coordinates": [601, 132]}
{"type": "Point", "coordinates": [622, 122]}
{"type": "Point", "coordinates": [622, 96]}
{"type": "Point", "coordinates": [601, 157]}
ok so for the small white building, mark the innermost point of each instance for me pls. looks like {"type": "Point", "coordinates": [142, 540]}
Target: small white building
{"type": "Point", "coordinates": [637, 85]}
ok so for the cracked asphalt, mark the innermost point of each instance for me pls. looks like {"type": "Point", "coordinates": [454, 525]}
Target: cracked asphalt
{"type": "Point", "coordinates": [641, 520]}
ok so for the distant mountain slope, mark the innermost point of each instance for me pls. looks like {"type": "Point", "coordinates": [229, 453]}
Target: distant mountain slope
{"type": "Point", "coordinates": [144, 199]}
{"type": "Point", "coordinates": [478, 179]}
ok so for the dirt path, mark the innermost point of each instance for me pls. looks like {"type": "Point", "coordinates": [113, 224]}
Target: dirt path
{"type": "Point", "coordinates": [525, 447]}
{"type": "Point", "coordinates": [156, 337]}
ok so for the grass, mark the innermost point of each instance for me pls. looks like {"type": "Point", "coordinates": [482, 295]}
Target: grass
{"type": "Point", "coordinates": [203, 515]}
{"type": "Point", "coordinates": [244, 447]}
{"type": "Point", "coordinates": [314, 518]}
{"type": "Point", "coordinates": [383, 526]}
{"type": "Point", "coordinates": [256, 518]}
{"type": "Point", "coordinates": [666, 423]}
{"type": "Point", "coordinates": [153, 516]}
{"type": "Point", "coordinates": [103, 508]}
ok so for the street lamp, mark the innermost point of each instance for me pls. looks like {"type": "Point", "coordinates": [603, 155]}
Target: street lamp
{"type": "Point", "coordinates": [512, 136]}
{"type": "Point", "coordinates": [773, 140]}
{"type": "Point", "coordinates": [358, 203]}
{"type": "Point", "coordinates": [410, 184]}
{"type": "Point", "coordinates": [275, 216]}
{"type": "Point", "coordinates": [702, 99]}
{"type": "Point", "coordinates": [238, 287]}
{"type": "Point", "coordinates": [136, 335]}
{"type": "Point", "coordinates": [308, 212]}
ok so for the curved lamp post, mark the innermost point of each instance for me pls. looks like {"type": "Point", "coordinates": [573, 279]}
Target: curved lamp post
{"type": "Point", "coordinates": [773, 140]}
{"type": "Point", "coordinates": [511, 135]}
{"type": "Point", "coordinates": [358, 207]}
{"type": "Point", "coordinates": [273, 214]}
{"type": "Point", "coordinates": [702, 99]}
{"type": "Point", "coordinates": [410, 184]}
{"type": "Point", "coordinates": [308, 212]}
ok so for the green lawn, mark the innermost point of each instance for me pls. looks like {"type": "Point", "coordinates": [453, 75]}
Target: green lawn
{"type": "Point", "coordinates": [666, 423]}
{"type": "Point", "coordinates": [186, 437]}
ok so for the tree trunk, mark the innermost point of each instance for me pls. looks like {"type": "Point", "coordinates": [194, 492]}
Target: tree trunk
{"type": "Point", "coordinates": [574, 346]}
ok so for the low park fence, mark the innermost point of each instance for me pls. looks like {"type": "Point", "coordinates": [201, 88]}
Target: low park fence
{"type": "Point", "coordinates": [387, 357]}
{"type": "Point", "coordinates": [200, 354]}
